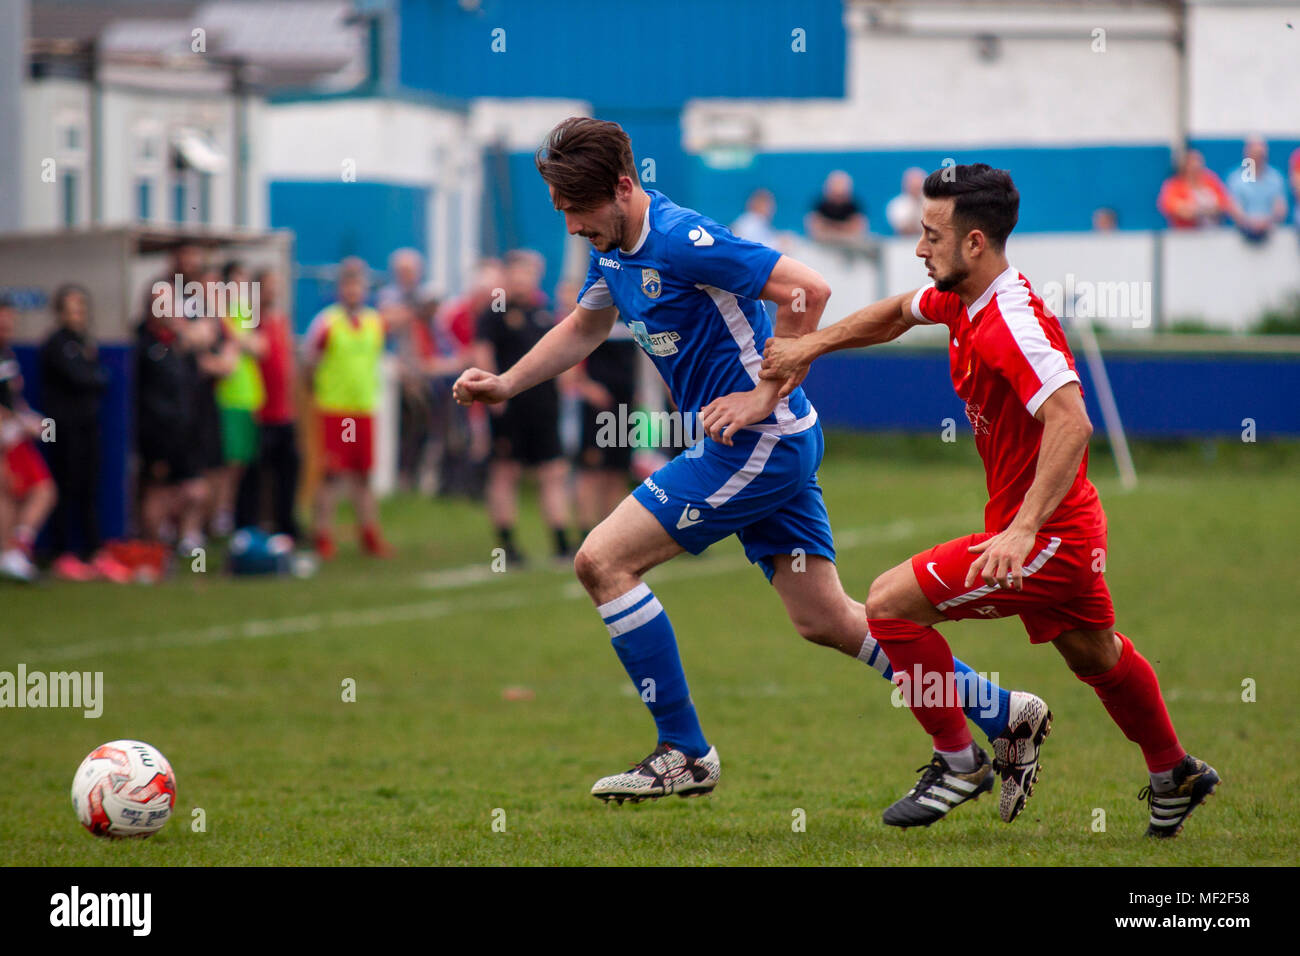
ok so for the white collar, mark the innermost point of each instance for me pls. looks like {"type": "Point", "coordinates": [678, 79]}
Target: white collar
{"type": "Point", "coordinates": [1010, 275]}
{"type": "Point", "coordinates": [645, 232]}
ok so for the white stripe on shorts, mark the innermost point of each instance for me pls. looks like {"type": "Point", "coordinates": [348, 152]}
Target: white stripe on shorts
{"type": "Point", "coordinates": [747, 473]}
{"type": "Point", "coordinates": [1035, 565]}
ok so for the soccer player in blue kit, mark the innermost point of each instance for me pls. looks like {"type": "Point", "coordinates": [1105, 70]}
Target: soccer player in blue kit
{"type": "Point", "coordinates": [690, 292]}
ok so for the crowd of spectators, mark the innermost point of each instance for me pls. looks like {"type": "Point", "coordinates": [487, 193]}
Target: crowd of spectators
{"type": "Point", "coordinates": [1254, 197]}
{"type": "Point", "coordinates": [226, 397]}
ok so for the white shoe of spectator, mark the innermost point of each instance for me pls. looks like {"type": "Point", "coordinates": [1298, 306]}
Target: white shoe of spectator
{"type": "Point", "coordinates": [17, 566]}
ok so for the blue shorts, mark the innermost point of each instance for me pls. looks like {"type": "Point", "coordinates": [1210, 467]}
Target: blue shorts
{"type": "Point", "coordinates": [763, 489]}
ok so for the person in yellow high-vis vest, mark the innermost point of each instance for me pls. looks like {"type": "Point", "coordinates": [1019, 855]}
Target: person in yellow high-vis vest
{"type": "Point", "coordinates": [345, 344]}
{"type": "Point", "coordinates": [239, 395]}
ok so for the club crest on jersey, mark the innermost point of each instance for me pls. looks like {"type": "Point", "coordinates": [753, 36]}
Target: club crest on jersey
{"type": "Point", "coordinates": [660, 343]}
{"type": "Point", "coordinates": [650, 284]}
{"type": "Point", "coordinates": [978, 423]}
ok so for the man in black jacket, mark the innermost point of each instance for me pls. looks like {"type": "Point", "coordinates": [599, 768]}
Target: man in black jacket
{"type": "Point", "coordinates": [72, 381]}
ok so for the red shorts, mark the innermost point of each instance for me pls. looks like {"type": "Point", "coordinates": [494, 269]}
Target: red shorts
{"type": "Point", "coordinates": [347, 443]}
{"type": "Point", "coordinates": [1065, 586]}
{"type": "Point", "coordinates": [24, 469]}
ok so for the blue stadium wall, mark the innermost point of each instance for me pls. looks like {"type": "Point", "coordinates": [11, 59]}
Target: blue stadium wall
{"type": "Point", "coordinates": [1158, 395]}
{"type": "Point", "coordinates": [332, 220]}
{"type": "Point", "coordinates": [623, 53]}
{"type": "Point", "coordinates": [1060, 187]}
{"type": "Point", "coordinates": [117, 430]}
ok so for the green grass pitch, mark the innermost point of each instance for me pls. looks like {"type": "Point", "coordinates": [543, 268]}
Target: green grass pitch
{"type": "Point", "coordinates": [240, 684]}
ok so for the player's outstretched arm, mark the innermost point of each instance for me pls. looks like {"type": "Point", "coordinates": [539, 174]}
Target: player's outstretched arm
{"type": "Point", "coordinates": [800, 294]}
{"type": "Point", "coordinates": [787, 359]}
{"type": "Point", "coordinates": [572, 340]}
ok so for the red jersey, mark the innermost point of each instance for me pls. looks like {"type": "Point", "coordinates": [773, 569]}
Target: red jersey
{"type": "Point", "coordinates": [1007, 355]}
{"type": "Point", "coordinates": [277, 371]}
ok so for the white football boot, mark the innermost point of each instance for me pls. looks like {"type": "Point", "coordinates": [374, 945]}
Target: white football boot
{"type": "Point", "coordinates": [1016, 752]}
{"type": "Point", "coordinates": [666, 770]}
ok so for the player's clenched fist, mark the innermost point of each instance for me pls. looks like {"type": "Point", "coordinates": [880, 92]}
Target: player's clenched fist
{"type": "Point", "coordinates": [476, 385]}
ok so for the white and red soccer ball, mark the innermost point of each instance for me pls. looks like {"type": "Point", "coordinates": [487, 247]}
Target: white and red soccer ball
{"type": "Point", "coordinates": [124, 788]}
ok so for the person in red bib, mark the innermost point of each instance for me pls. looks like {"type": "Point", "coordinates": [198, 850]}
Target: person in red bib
{"type": "Point", "coordinates": [1042, 552]}
{"type": "Point", "coordinates": [345, 344]}
{"type": "Point", "coordinates": [27, 492]}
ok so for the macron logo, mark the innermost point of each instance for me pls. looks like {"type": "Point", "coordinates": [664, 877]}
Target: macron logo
{"type": "Point", "coordinates": [690, 516]}
{"type": "Point", "coordinates": [699, 237]}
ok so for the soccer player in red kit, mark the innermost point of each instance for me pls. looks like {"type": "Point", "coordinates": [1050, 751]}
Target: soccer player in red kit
{"type": "Point", "coordinates": [1042, 552]}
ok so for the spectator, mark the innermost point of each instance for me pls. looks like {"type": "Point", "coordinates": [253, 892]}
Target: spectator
{"type": "Point", "coordinates": [465, 467]}
{"type": "Point", "coordinates": [399, 305]}
{"type": "Point", "coordinates": [72, 382]}
{"type": "Point", "coordinates": [27, 493]}
{"type": "Point", "coordinates": [1193, 197]}
{"type": "Point", "coordinates": [1105, 219]}
{"type": "Point", "coordinates": [239, 395]}
{"type": "Point", "coordinates": [904, 210]}
{"type": "Point", "coordinates": [755, 223]}
{"type": "Point", "coordinates": [604, 382]}
{"type": "Point", "coordinates": [1295, 186]}
{"type": "Point", "coordinates": [173, 494]}
{"type": "Point", "coordinates": [837, 216]}
{"type": "Point", "coordinates": [277, 463]}
{"type": "Point", "coordinates": [344, 346]}
{"type": "Point", "coordinates": [1258, 192]}
{"type": "Point", "coordinates": [525, 430]}
{"type": "Point", "coordinates": [443, 360]}
{"type": "Point", "coordinates": [214, 355]}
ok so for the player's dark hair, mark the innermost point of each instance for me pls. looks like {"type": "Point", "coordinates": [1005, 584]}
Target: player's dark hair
{"type": "Point", "coordinates": [583, 158]}
{"type": "Point", "coordinates": [984, 198]}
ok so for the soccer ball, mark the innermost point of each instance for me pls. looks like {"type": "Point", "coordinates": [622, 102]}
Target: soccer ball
{"type": "Point", "coordinates": [124, 788]}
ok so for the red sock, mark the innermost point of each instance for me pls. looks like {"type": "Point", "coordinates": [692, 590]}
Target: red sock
{"type": "Point", "coordinates": [1131, 695]}
{"type": "Point", "coordinates": [909, 647]}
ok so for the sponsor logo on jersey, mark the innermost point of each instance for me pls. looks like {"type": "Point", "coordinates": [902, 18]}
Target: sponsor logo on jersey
{"type": "Point", "coordinates": [608, 263]}
{"type": "Point", "coordinates": [660, 343]}
{"type": "Point", "coordinates": [650, 283]}
{"type": "Point", "coordinates": [690, 516]}
{"type": "Point", "coordinates": [699, 237]}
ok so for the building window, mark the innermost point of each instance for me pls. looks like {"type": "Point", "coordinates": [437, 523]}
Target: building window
{"type": "Point", "coordinates": [71, 195]}
{"type": "Point", "coordinates": [178, 198]}
{"type": "Point", "coordinates": [205, 198]}
{"type": "Point", "coordinates": [143, 199]}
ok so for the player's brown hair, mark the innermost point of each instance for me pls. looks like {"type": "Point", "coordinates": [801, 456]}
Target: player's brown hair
{"type": "Point", "coordinates": [583, 158]}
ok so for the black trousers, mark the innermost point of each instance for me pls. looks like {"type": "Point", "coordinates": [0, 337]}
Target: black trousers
{"type": "Point", "coordinates": [74, 457]}
{"type": "Point", "coordinates": [275, 474]}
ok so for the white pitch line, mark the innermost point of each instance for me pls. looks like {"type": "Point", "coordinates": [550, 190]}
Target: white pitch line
{"type": "Point", "coordinates": [464, 578]}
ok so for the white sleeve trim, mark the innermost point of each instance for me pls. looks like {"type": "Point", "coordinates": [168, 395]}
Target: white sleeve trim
{"type": "Point", "coordinates": [597, 297]}
{"type": "Point", "coordinates": [1054, 382]}
{"type": "Point", "coordinates": [916, 306]}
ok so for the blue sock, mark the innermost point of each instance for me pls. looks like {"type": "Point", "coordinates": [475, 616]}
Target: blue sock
{"type": "Point", "coordinates": [644, 641]}
{"type": "Point", "coordinates": [987, 705]}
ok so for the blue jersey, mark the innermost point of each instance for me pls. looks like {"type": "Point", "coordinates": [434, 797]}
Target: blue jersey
{"type": "Point", "coordinates": [688, 292]}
